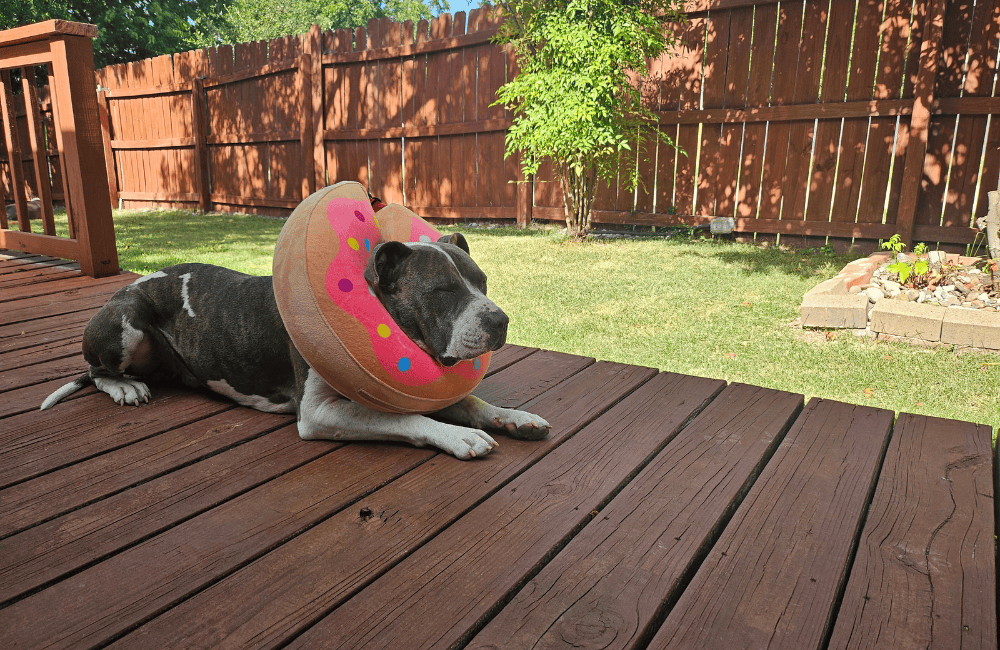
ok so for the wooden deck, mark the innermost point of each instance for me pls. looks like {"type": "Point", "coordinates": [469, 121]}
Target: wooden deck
{"type": "Point", "coordinates": [665, 511]}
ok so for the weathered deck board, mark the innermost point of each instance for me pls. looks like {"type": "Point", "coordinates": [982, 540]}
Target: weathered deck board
{"type": "Point", "coordinates": [41, 306]}
{"type": "Point", "coordinates": [773, 578]}
{"type": "Point", "coordinates": [609, 586]}
{"type": "Point", "coordinates": [193, 522]}
{"type": "Point", "coordinates": [921, 576]}
{"type": "Point", "coordinates": [38, 442]}
{"type": "Point", "coordinates": [279, 595]}
{"type": "Point", "coordinates": [24, 400]}
{"type": "Point", "coordinates": [441, 593]}
{"type": "Point", "coordinates": [31, 502]}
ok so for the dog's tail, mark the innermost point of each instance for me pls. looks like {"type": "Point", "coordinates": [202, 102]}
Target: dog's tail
{"type": "Point", "coordinates": [67, 390]}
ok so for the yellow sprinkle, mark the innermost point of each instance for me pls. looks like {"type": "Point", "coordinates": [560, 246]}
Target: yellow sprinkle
{"type": "Point", "coordinates": [384, 331]}
{"type": "Point", "coordinates": [352, 242]}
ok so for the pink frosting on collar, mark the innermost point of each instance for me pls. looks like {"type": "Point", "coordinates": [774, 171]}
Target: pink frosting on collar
{"type": "Point", "coordinates": [358, 231]}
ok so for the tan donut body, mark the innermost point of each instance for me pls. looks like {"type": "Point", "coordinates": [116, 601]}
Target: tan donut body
{"type": "Point", "coordinates": [337, 325]}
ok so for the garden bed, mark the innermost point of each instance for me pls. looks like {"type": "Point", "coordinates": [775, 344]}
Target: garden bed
{"type": "Point", "coordinates": [861, 297]}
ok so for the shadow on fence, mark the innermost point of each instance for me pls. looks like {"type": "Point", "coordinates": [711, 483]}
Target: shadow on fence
{"type": "Point", "coordinates": [822, 122]}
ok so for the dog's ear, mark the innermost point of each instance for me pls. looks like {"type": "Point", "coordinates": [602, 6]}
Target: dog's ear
{"type": "Point", "coordinates": [457, 239]}
{"type": "Point", "coordinates": [382, 269]}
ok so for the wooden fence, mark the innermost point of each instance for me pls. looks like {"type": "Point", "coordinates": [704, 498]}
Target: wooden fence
{"type": "Point", "coordinates": [848, 119]}
{"type": "Point", "coordinates": [51, 140]}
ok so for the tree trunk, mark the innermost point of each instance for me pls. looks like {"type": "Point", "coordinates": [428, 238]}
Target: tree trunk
{"type": "Point", "coordinates": [578, 200]}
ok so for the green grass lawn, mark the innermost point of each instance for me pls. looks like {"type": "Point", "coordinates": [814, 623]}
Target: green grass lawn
{"type": "Point", "coordinates": [698, 307]}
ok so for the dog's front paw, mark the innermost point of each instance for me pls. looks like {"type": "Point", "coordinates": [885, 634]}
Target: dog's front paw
{"type": "Point", "coordinates": [522, 425]}
{"type": "Point", "coordinates": [123, 390]}
{"type": "Point", "coordinates": [466, 444]}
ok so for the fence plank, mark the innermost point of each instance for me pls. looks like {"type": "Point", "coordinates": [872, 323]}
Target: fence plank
{"type": "Point", "coordinates": [392, 85]}
{"type": "Point", "coordinates": [13, 146]}
{"type": "Point", "coordinates": [979, 75]}
{"type": "Point", "coordinates": [758, 94]}
{"type": "Point", "coordinates": [881, 180]}
{"type": "Point", "coordinates": [782, 92]}
{"type": "Point", "coordinates": [828, 147]}
{"type": "Point", "coordinates": [689, 56]}
{"type": "Point", "coordinates": [737, 79]}
{"type": "Point", "coordinates": [713, 96]}
{"type": "Point", "coordinates": [39, 153]}
{"type": "Point", "coordinates": [800, 135]}
{"type": "Point", "coordinates": [932, 18]}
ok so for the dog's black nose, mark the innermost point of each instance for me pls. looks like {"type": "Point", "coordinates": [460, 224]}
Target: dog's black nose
{"type": "Point", "coordinates": [496, 325]}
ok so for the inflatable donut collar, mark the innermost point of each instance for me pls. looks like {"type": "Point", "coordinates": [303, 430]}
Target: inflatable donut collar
{"type": "Point", "coordinates": [336, 322]}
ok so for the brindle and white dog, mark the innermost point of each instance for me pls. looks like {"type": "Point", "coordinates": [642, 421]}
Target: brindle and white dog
{"type": "Point", "coordinates": [217, 328]}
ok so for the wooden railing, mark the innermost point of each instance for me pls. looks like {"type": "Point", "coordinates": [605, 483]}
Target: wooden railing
{"type": "Point", "coordinates": [64, 52]}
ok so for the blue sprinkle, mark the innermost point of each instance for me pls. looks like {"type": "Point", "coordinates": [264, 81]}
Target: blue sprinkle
{"type": "Point", "coordinates": [404, 364]}
{"type": "Point", "coordinates": [368, 246]}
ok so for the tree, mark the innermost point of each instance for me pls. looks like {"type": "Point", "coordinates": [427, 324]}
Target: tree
{"type": "Point", "coordinates": [137, 29]}
{"type": "Point", "coordinates": [129, 29]}
{"type": "Point", "coordinates": [252, 20]}
{"type": "Point", "coordinates": [576, 100]}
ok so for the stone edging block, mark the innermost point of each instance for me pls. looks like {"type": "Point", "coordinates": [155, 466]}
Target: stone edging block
{"type": "Point", "coordinates": [971, 327]}
{"type": "Point", "coordinates": [842, 310]}
{"type": "Point", "coordinates": [900, 318]}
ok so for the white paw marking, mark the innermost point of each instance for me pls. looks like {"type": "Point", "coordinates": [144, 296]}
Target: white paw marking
{"type": "Point", "coordinates": [522, 424]}
{"type": "Point", "coordinates": [123, 390]}
{"type": "Point", "coordinates": [461, 443]}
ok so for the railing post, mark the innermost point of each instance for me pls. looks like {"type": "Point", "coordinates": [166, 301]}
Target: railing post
{"type": "Point", "coordinates": [73, 64]}
{"type": "Point", "coordinates": [109, 154]}
{"type": "Point", "coordinates": [916, 148]}
{"type": "Point", "coordinates": [14, 151]}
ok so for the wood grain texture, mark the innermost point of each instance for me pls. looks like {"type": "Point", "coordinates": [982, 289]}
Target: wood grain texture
{"type": "Point", "coordinates": [110, 597]}
{"type": "Point", "coordinates": [35, 443]}
{"type": "Point", "coordinates": [280, 595]}
{"type": "Point", "coordinates": [501, 542]}
{"type": "Point", "coordinates": [75, 299]}
{"type": "Point", "coordinates": [60, 546]}
{"type": "Point", "coordinates": [607, 588]}
{"type": "Point", "coordinates": [772, 579]}
{"type": "Point", "coordinates": [925, 573]}
{"type": "Point", "coordinates": [59, 492]}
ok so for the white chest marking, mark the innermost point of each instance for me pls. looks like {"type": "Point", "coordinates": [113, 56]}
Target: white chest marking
{"type": "Point", "coordinates": [130, 338]}
{"type": "Point", "coordinates": [184, 294]}
{"type": "Point", "coordinates": [222, 387]}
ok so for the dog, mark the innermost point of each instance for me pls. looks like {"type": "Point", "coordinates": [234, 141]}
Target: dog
{"type": "Point", "coordinates": [217, 328]}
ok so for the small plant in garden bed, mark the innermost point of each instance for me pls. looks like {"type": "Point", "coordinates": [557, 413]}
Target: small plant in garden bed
{"type": "Point", "coordinates": [911, 274]}
{"type": "Point", "coordinates": [935, 281]}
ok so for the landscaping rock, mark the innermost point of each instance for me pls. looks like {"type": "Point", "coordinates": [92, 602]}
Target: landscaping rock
{"type": "Point", "coordinates": [954, 288]}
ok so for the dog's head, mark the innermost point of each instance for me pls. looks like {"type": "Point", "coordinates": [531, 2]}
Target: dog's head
{"type": "Point", "coordinates": [437, 296]}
